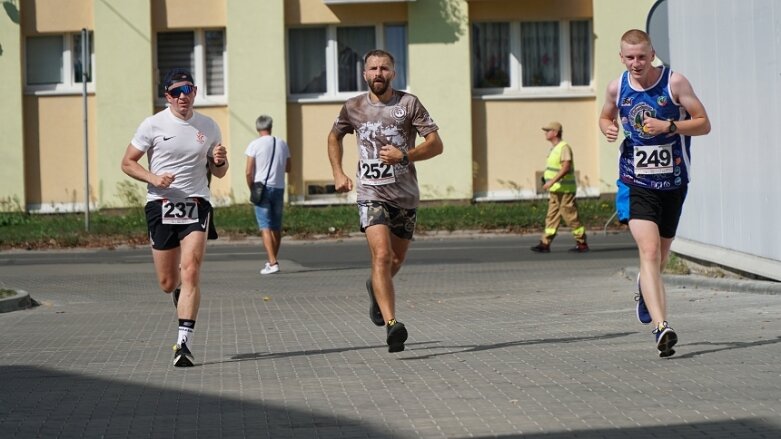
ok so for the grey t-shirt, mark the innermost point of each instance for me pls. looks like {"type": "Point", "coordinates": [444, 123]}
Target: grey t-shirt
{"type": "Point", "coordinates": [396, 123]}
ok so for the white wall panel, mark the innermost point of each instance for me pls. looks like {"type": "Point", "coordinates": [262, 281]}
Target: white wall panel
{"type": "Point", "coordinates": [731, 53]}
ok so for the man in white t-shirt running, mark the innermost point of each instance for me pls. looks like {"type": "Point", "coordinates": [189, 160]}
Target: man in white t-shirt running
{"type": "Point", "coordinates": [182, 147]}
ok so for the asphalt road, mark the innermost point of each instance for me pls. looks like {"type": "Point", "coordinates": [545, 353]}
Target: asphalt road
{"type": "Point", "coordinates": [613, 248]}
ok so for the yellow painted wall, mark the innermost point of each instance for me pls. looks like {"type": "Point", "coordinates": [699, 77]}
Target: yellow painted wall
{"type": "Point", "coordinates": [12, 187]}
{"type": "Point", "coordinates": [120, 109]}
{"type": "Point", "coordinates": [440, 77]}
{"type": "Point", "coordinates": [509, 145]}
{"type": "Point", "coordinates": [256, 79]}
{"type": "Point", "coordinates": [54, 153]}
{"type": "Point", "coordinates": [51, 16]}
{"type": "Point", "coordinates": [53, 125]}
{"type": "Point", "coordinates": [188, 14]}
{"type": "Point", "coordinates": [309, 125]}
{"type": "Point", "coordinates": [486, 130]}
{"type": "Point", "coordinates": [222, 188]}
{"type": "Point", "coordinates": [498, 10]}
{"type": "Point", "coordinates": [611, 19]}
{"type": "Point", "coordinates": [303, 12]}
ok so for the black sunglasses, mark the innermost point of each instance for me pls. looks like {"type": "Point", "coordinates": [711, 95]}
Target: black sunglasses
{"type": "Point", "coordinates": [186, 89]}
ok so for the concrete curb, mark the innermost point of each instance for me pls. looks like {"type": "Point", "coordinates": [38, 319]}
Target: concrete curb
{"type": "Point", "coordinates": [21, 300]}
{"type": "Point", "coordinates": [722, 284]}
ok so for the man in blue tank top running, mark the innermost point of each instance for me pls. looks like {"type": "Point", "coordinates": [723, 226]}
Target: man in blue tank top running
{"type": "Point", "coordinates": [659, 112]}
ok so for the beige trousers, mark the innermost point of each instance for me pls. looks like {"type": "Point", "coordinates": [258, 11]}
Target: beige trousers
{"type": "Point", "coordinates": [562, 205]}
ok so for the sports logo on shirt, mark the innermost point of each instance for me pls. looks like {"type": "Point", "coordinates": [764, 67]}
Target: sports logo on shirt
{"type": "Point", "coordinates": [636, 116]}
{"type": "Point", "coordinates": [626, 102]}
{"type": "Point", "coordinates": [662, 101]}
{"type": "Point", "coordinates": [398, 112]}
{"type": "Point", "coordinates": [200, 137]}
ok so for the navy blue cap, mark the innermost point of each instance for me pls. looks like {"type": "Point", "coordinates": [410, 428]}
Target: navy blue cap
{"type": "Point", "coordinates": [177, 75]}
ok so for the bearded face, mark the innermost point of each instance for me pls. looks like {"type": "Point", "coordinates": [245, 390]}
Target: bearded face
{"type": "Point", "coordinates": [378, 74]}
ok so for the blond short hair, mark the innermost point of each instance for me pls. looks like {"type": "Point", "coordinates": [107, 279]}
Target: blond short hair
{"type": "Point", "coordinates": [636, 36]}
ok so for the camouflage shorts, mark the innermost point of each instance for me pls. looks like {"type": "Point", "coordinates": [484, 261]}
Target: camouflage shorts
{"type": "Point", "coordinates": [401, 222]}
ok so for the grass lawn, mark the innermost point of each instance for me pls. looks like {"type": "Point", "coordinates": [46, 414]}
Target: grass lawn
{"type": "Point", "coordinates": [110, 228]}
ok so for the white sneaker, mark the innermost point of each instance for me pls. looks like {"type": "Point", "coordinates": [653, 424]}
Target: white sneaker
{"type": "Point", "coordinates": [270, 269]}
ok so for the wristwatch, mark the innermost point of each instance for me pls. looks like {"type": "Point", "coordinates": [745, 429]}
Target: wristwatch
{"type": "Point", "coordinates": [404, 159]}
{"type": "Point", "coordinates": [672, 128]}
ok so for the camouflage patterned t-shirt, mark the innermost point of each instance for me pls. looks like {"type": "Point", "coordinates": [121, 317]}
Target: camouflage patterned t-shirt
{"type": "Point", "coordinates": [377, 124]}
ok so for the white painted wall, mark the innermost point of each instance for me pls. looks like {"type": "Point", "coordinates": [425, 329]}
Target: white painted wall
{"type": "Point", "coordinates": [731, 53]}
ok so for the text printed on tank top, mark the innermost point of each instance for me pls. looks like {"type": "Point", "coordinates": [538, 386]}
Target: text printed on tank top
{"type": "Point", "coordinates": [653, 159]}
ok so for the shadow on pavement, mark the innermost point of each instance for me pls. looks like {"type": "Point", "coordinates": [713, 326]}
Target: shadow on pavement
{"type": "Point", "coordinates": [727, 346]}
{"type": "Point", "coordinates": [748, 428]}
{"type": "Point", "coordinates": [477, 348]}
{"type": "Point", "coordinates": [41, 402]}
{"type": "Point", "coordinates": [269, 356]}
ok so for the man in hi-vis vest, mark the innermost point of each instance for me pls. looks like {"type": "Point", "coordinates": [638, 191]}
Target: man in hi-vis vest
{"type": "Point", "coordinates": [559, 180]}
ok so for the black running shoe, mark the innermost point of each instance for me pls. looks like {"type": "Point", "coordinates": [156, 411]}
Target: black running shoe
{"type": "Point", "coordinates": [397, 335]}
{"type": "Point", "coordinates": [580, 247]}
{"type": "Point", "coordinates": [374, 310]}
{"type": "Point", "coordinates": [541, 248]}
{"type": "Point", "coordinates": [182, 356]}
{"type": "Point", "coordinates": [175, 297]}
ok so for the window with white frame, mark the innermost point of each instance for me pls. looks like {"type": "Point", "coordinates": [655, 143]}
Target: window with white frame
{"type": "Point", "coordinates": [327, 61]}
{"type": "Point", "coordinates": [53, 63]}
{"type": "Point", "coordinates": [531, 57]}
{"type": "Point", "coordinates": [200, 51]}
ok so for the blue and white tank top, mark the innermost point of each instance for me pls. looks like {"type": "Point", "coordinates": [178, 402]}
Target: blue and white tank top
{"type": "Point", "coordinates": [658, 162]}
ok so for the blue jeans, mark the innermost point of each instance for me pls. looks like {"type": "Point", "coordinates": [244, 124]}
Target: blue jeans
{"type": "Point", "coordinates": [269, 212]}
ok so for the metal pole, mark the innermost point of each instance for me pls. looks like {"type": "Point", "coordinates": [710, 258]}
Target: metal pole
{"type": "Point", "coordinates": [85, 51]}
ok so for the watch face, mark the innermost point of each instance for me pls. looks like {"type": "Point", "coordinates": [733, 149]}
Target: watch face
{"type": "Point", "coordinates": [673, 127]}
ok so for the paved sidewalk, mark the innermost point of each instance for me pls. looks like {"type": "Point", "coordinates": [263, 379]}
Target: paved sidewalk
{"type": "Point", "coordinates": [496, 350]}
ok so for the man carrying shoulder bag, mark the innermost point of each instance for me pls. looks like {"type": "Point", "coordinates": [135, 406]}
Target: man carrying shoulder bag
{"type": "Point", "coordinates": [268, 158]}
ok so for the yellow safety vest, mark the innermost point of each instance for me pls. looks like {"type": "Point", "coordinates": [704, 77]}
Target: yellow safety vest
{"type": "Point", "coordinates": [567, 183]}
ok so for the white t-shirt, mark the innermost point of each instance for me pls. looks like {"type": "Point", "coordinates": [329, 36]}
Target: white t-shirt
{"type": "Point", "coordinates": [260, 148]}
{"type": "Point", "coordinates": [180, 147]}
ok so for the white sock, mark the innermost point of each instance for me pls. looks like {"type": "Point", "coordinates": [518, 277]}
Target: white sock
{"type": "Point", "coordinates": [186, 330]}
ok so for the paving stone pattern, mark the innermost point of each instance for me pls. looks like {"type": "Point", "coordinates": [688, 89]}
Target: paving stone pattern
{"type": "Point", "coordinates": [495, 350]}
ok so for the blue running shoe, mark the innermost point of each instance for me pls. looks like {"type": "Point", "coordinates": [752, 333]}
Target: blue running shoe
{"type": "Point", "coordinates": [666, 338]}
{"type": "Point", "coordinates": [642, 311]}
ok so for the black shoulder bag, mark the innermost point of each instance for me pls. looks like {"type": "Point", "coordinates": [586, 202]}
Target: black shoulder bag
{"type": "Point", "coordinates": [256, 193]}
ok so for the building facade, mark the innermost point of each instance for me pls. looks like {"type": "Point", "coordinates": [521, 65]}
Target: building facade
{"type": "Point", "coordinates": [490, 72]}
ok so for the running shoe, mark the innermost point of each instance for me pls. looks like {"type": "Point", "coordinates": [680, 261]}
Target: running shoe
{"type": "Point", "coordinates": [397, 335]}
{"type": "Point", "coordinates": [270, 269]}
{"type": "Point", "coordinates": [580, 247]}
{"type": "Point", "coordinates": [175, 297]}
{"type": "Point", "coordinates": [182, 356]}
{"type": "Point", "coordinates": [665, 339]}
{"type": "Point", "coordinates": [374, 310]}
{"type": "Point", "coordinates": [643, 316]}
{"type": "Point", "coordinates": [541, 248]}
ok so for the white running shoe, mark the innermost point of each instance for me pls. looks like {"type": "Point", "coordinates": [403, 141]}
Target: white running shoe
{"type": "Point", "coordinates": [270, 269]}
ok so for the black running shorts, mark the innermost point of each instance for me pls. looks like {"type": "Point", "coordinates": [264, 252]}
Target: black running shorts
{"type": "Point", "coordinates": [662, 207]}
{"type": "Point", "coordinates": [168, 236]}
